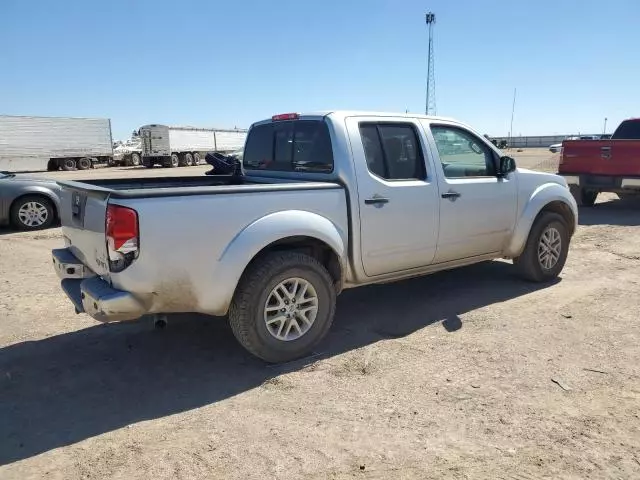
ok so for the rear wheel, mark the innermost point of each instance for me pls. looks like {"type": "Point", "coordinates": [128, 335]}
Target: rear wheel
{"type": "Point", "coordinates": [32, 212]}
{"type": "Point", "coordinates": [545, 252]}
{"type": "Point", "coordinates": [584, 197]}
{"type": "Point", "coordinates": [283, 307]}
{"type": "Point", "coordinates": [84, 163]}
{"type": "Point", "coordinates": [629, 196]}
{"type": "Point", "coordinates": [188, 159]}
{"type": "Point", "coordinates": [196, 158]}
{"type": "Point", "coordinates": [69, 164]}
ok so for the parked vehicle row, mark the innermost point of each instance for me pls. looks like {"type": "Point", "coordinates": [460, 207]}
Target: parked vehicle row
{"type": "Point", "coordinates": [326, 202]}
{"type": "Point", "coordinates": [557, 147]}
{"type": "Point", "coordinates": [58, 143]}
{"type": "Point", "coordinates": [611, 165]}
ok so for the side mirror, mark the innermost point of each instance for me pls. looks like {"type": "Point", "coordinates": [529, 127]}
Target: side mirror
{"type": "Point", "coordinates": [506, 165]}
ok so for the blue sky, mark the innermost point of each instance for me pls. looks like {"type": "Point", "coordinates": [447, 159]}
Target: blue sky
{"type": "Point", "coordinates": [228, 63]}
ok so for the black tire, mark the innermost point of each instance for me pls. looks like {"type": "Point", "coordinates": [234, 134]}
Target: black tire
{"type": "Point", "coordinates": [69, 164]}
{"type": "Point", "coordinates": [18, 223]}
{"type": "Point", "coordinates": [135, 160]}
{"type": "Point", "coordinates": [173, 162]}
{"type": "Point", "coordinates": [187, 159]}
{"type": "Point", "coordinates": [583, 197]}
{"type": "Point", "coordinates": [196, 158]}
{"type": "Point", "coordinates": [528, 264]}
{"type": "Point", "coordinates": [246, 314]}
{"type": "Point", "coordinates": [111, 162]}
{"type": "Point", "coordinates": [84, 163]}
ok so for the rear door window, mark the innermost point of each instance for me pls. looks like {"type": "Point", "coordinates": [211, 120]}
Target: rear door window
{"type": "Point", "coordinates": [392, 151]}
{"type": "Point", "coordinates": [294, 146]}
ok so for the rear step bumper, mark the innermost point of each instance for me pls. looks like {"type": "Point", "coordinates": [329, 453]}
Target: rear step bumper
{"type": "Point", "coordinates": [92, 295]}
{"type": "Point", "coordinates": [604, 183]}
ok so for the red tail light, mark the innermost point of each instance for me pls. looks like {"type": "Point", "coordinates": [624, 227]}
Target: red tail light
{"type": "Point", "coordinates": [123, 236]}
{"type": "Point", "coordinates": [285, 116]}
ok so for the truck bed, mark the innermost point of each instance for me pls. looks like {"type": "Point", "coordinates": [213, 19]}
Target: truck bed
{"type": "Point", "coordinates": [184, 186]}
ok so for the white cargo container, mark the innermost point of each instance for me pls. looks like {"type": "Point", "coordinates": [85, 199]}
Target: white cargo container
{"type": "Point", "coordinates": [52, 143]}
{"type": "Point", "coordinates": [185, 146]}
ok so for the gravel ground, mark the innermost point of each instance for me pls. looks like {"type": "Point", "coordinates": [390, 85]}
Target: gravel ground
{"type": "Point", "coordinates": [463, 374]}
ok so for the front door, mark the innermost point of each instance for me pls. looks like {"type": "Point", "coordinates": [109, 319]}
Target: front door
{"type": "Point", "coordinates": [397, 195]}
{"type": "Point", "coordinates": [477, 209]}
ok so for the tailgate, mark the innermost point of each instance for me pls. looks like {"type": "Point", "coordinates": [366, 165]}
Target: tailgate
{"type": "Point", "coordinates": [83, 210]}
{"type": "Point", "coordinates": [585, 156]}
{"type": "Point", "coordinates": [607, 157]}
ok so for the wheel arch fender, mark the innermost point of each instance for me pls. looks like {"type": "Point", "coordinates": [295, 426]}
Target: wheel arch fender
{"type": "Point", "coordinates": [42, 191]}
{"type": "Point", "coordinates": [269, 230]}
{"type": "Point", "coordinates": [547, 197]}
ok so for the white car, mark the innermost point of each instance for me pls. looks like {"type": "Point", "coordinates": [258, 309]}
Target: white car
{"type": "Point", "coordinates": [557, 147]}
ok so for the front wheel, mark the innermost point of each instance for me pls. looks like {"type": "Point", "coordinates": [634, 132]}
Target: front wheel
{"type": "Point", "coordinates": [545, 252]}
{"type": "Point", "coordinates": [135, 160]}
{"type": "Point", "coordinates": [174, 161]}
{"type": "Point", "coordinates": [283, 307]}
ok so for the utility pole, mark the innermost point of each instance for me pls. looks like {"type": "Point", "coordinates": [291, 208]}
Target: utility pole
{"type": "Point", "coordinates": [604, 129]}
{"type": "Point", "coordinates": [513, 110]}
{"type": "Point", "coordinates": [430, 104]}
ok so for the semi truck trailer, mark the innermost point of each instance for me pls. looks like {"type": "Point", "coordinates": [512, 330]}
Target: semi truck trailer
{"type": "Point", "coordinates": [185, 146]}
{"type": "Point", "coordinates": [52, 143]}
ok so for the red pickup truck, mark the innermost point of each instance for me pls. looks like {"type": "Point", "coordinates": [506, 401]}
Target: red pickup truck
{"type": "Point", "coordinates": [594, 166]}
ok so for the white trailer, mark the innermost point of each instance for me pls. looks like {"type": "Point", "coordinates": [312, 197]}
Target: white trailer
{"type": "Point", "coordinates": [53, 143]}
{"type": "Point", "coordinates": [186, 146]}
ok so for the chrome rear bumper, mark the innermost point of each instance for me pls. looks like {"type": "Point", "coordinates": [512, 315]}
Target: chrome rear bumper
{"type": "Point", "coordinates": [91, 294]}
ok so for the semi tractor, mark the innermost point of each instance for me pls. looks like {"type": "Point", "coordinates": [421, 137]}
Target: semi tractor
{"type": "Point", "coordinates": [185, 146]}
{"type": "Point", "coordinates": [52, 143]}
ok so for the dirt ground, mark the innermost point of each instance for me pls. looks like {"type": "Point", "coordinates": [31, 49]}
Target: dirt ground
{"type": "Point", "coordinates": [463, 374]}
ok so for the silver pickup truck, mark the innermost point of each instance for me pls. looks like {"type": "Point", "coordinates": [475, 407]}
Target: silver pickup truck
{"type": "Point", "coordinates": [326, 202]}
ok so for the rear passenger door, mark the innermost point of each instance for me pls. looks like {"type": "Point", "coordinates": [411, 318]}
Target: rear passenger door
{"type": "Point", "coordinates": [397, 195]}
{"type": "Point", "coordinates": [477, 209]}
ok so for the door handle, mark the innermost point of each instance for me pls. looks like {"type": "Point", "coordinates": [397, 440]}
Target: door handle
{"type": "Point", "coordinates": [451, 195]}
{"type": "Point", "coordinates": [605, 152]}
{"type": "Point", "coordinates": [376, 201]}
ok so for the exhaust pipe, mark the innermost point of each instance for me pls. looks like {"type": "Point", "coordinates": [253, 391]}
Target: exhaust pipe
{"type": "Point", "coordinates": [160, 321]}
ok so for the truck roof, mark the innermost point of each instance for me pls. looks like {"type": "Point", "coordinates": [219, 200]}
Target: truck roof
{"type": "Point", "coordinates": [362, 113]}
{"type": "Point", "coordinates": [48, 117]}
{"type": "Point", "coordinates": [188, 127]}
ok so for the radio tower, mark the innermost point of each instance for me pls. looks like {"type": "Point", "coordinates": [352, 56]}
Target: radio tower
{"type": "Point", "coordinates": [430, 104]}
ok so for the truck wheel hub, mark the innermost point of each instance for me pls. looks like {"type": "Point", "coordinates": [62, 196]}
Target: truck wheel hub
{"type": "Point", "coordinates": [290, 309]}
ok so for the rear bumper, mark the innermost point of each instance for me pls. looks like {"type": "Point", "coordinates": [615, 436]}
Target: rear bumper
{"type": "Point", "coordinates": [91, 294]}
{"type": "Point", "coordinates": [603, 183]}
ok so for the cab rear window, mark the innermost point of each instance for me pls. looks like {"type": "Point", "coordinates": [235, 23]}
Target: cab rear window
{"type": "Point", "coordinates": [290, 146]}
{"type": "Point", "coordinates": [628, 130]}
